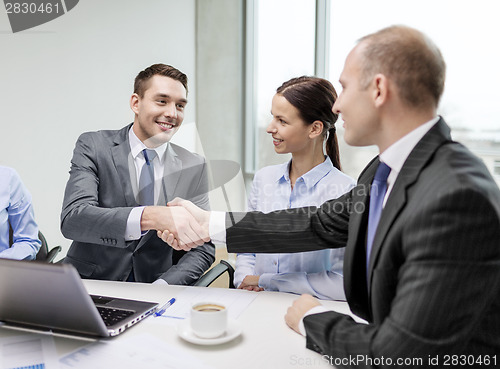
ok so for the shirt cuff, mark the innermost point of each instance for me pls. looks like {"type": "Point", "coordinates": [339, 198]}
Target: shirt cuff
{"type": "Point", "coordinates": [133, 229]}
{"type": "Point", "coordinates": [315, 310]}
{"type": "Point", "coordinates": [217, 226]}
{"type": "Point", "coordinates": [265, 281]}
{"type": "Point", "coordinates": [160, 281]}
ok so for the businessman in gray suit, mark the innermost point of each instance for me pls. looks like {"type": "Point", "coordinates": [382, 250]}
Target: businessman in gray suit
{"type": "Point", "coordinates": [120, 182]}
{"type": "Point", "coordinates": [421, 229]}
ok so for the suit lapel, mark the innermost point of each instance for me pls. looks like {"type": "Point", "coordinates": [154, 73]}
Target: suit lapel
{"type": "Point", "coordinates": [361, 199]}
{"type": "Point", "coordinates": [414, 164]}
{"type": "Point", "coordinates": [120, 154]}
{"type": "Point", "coordinates": [355, 256]}
{"type": "Point", "coordinates": [145, 238]}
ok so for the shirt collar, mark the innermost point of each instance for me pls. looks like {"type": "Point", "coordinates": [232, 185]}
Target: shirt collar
{"type": "Point", "coordinates": [136, 146]}
{"type": "Point", "coordinates": [283, 172]}
{"type": "Point", "coordinates": [396, 154]}
{"type": "Point", "coordinates": [310, 178]}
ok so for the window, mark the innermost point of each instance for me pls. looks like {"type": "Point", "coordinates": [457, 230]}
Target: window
{"type": "Point", "coordinates": [280, 45]}
{"type": "Point", "coordinates": [496, 168]}
{"type": "Point", "coordinates": [465, 32]}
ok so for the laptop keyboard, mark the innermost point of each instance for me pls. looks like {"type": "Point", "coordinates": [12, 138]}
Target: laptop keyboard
{"type": "Point", "coordinates": [112, 316]}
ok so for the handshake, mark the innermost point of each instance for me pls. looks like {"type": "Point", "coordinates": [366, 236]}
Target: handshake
{"type": "Point", "coordinates": [181, 224]}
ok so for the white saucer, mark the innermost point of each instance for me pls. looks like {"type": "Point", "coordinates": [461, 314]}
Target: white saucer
{"type": "Point", "coordinates": [185, 332]}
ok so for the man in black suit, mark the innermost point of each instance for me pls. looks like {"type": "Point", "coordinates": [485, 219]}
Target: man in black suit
{"type": "Point", "coordinates": [426, 274]}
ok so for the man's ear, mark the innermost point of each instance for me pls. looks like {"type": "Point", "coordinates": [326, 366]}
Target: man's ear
{"type": "Point", "coordinates": [380, 89]}
{"type": "Point", "coordinates": [134, 103]}
{"type": "Point", "coordinates": [316, 129]}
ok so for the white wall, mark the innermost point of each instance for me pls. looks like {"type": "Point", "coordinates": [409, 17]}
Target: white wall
{"type": "Point", "coordinates": [75, 74]}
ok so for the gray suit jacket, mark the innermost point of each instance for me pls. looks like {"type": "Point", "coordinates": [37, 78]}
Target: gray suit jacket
{"type": "Point", "coordinates": [434, 271]}
{"type": "Point", "coordinates": [99, 197]}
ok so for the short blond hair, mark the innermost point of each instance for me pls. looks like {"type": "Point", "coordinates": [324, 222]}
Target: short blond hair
{"type": "Point", "coordinates": [410, 59]}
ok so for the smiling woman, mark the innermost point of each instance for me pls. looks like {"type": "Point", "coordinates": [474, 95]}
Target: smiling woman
{"type": "Point", "coordinates": [302, 122]}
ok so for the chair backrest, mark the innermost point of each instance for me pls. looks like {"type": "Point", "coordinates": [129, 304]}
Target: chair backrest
{"type": "Point", "coordinates": [212, 274]}
{"type": "Point", "coordinates": [44, 249]}
{"type": "Point", "coordinates": [43, 254]}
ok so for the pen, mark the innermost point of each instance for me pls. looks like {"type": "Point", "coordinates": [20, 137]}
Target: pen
{"type": "Point", "coordinates": [165, 307]}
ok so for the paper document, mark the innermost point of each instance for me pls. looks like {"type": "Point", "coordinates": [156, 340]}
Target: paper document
{"type": "Point", "coordinates": [143, 351]}
{"type": "Point", "coordinates": [236, 301]}
{"type": "Point", "coordinates": [28, 351]}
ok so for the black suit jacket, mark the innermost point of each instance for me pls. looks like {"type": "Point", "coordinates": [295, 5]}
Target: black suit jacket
{"type": "Point", "coordinates": [434, 270]}
{"type": "Point", "coordinates": [99, 197]}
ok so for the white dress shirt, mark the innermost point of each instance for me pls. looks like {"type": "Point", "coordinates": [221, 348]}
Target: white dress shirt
{"type": "Point", "coordinates": [396, 154]}
{"type": "Point", "coordinates": [133, 229]}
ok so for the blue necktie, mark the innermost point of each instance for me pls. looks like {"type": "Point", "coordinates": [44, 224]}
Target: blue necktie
{"type": "Point", "coordinates": [377, 194]}
{"type": "Point", "coordinates": [146, 194]}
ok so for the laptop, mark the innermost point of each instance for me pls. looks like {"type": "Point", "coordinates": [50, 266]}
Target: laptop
{"type": "Point", "coordinates": [52, 297]}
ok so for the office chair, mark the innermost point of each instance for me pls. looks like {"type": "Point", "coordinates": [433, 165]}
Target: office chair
{"type": "Point", "coordinates": [43, 254]}
{"type": "Point", "coordinates": [214, 273]}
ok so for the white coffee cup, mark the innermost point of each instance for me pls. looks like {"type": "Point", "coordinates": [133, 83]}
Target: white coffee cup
{"type": "Point", "coordinates": [208, 319]}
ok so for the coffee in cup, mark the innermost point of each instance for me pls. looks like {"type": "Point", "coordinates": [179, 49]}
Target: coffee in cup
{"type": "Point", "coordinates": [209, 307]}
{"type": "Point", "coordinates": [208, 319]}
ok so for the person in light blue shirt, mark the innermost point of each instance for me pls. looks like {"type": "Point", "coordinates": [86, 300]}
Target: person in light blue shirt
{"type": "Point", "coordinates": [16, 210]}
{"type": "Point", "coordinates": [302, 124]}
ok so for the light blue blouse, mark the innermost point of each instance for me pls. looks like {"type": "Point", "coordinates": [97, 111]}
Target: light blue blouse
{"type": "Point", "coordinates": [16, 209]}
{"type": "Point", "coordinates": [318, 273]}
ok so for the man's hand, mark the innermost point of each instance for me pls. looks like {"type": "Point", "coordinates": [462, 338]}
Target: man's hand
{"type": "Point", "coordinates": [298, 309]}
{"type": "Point", "coordinates": [251, 283]}
{"type": "Point", "coordinates": [202, 217]}
{"type": "Point", "coordinates": [180, 223]}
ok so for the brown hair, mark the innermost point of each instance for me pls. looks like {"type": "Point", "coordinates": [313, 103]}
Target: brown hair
{"type": "Point", "coordinates": [314, 97]}
{"type": "Point", "coordinates": [408, 57]}
{"type": "Point", "coordinates": [140, 83]}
